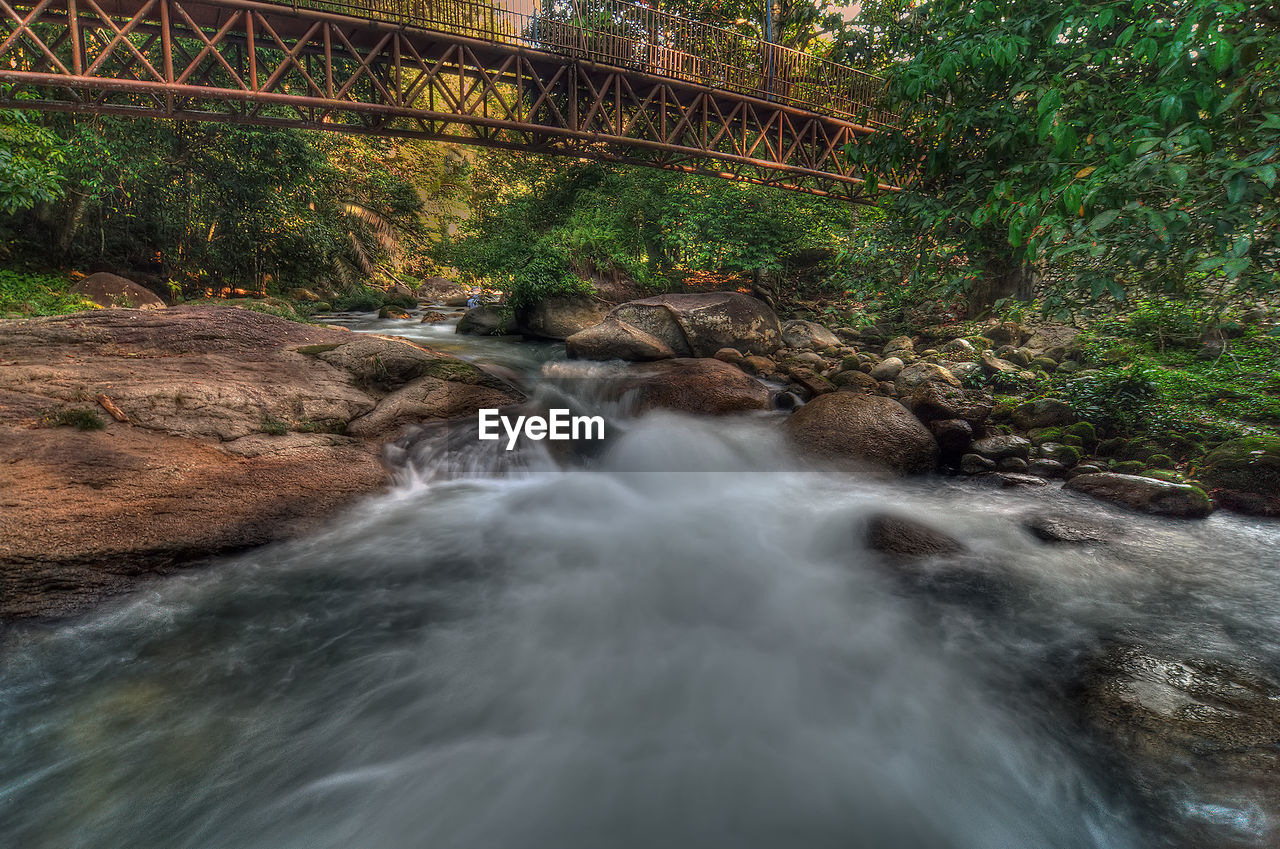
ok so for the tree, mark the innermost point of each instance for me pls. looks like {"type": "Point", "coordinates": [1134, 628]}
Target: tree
{"type": "Point", "coordinates": [1130, 143]}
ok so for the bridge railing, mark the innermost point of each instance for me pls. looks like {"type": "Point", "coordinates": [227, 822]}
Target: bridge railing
{"type": "Point", "coordinates": [627, 35]}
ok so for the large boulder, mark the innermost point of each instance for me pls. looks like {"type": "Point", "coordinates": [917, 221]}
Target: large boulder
{"type": "Point", "coordinates": [698, 325]}
{"type": "Point", "coordinates": [1160, 498]}
{"type": "Point", "coordinates": [706, 386]}
{"type": "Point", "coordinates": [214, 429]}
{"type": "Point", "coordinates": [612, 339]}
{"type": "Point", "coordinates": [559, 317]}
{"type": "Point", "coordinates": [905, 537]}
{"type": "Point", "coordinates": [1245, 474]}
{"type": "Point", "coordinates": [921, 373]}
{"type": "Point", "coordinates": [864, 428]}
{"type": "Point", "coordinates": [400, 295]}
{"type": "Point", "coordinates": [1043, 412]}
{"type": "Point", "coordinates": [112, 290]}
{"type": "Point", "coordinates": [1049, 336]}
{"type": "Point", "coordinates": [808, 334]}
{"type": "Point", "coordinates": [436, 289]}
{"type": "Point", "coordinates": [1002, 446]}
{"type": "Point", "coordinates": [934, 401]}
{"type": "Point", "coordinates": [486, 320]}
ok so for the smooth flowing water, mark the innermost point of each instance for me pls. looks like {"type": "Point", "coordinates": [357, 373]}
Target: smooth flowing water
{"type": "Point", "coordinates": [603, 655]}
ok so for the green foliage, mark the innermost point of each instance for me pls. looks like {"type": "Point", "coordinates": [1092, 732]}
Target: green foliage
{"type": "Point", "coordinates": [1129, 146]}
{"type": "Point", "coordinates": [272, 426]}
{"type": "Point", "coordinates": [543, 225]}
{"type": "Point", "coordinates": [211, 205]}
{"type": "Point", "coordinates": [360, 299]}
{"type": "Point", "coordinates": [31, 160]}
{"type": "Point", "coordinates": [1117, 401]}
{"type": "Point", "coordinates": [80, 419]}
{"type": "Point", "coordinates": [1165, 320]}
{"type": "Point", "coordinates": [30, 293]}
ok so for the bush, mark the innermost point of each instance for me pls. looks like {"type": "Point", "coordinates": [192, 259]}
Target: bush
{"type": "Point", "coordinates": [1118, 401]}
{"type": "Point", "coordinates": [80, 419]}
{"type": "Point", "coordinates": [360, 299]}
{"type": "Point", "coordinates": [28, 293]}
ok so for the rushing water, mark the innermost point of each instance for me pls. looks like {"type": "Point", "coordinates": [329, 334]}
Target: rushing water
{"type": "Point", "coordinates": [607, 656]}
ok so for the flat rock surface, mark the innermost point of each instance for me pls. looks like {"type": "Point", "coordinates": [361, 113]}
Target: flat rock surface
{"type": "Point", "coordinates": [237, 433]}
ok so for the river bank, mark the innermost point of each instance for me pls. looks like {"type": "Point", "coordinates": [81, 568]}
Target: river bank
{"type": "Point", "coordinates": [235, 429]}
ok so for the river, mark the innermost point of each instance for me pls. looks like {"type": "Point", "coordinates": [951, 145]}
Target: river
{"type": "Point", "coordinates": [682, 642]}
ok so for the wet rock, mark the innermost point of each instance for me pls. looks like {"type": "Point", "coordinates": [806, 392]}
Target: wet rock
{"type": "Point", "coordinates": [1043, 412]}
{"type": "Point", "coordinates": [1084, 469]}
{"type": "Point", "coordinates": [486, 320]}
{"type": "Point", "coordinates": [887, 369]}
{"type": "Point", "coordinates": [976, 464]}
{"type": "Point", "coordinates": [1012, 464]}
{"type": "Point", "coordinates": [808, 334]}
{"type": "Point", "coordinates": [919, 374]}
{"type": "Point", "coordinates": [1046, 468]}
{"type": "Point", "coordinates": [393, 313]}
{"type": "Point", "coordinates": [953, 435]}
{"type": "Point", "coordinates": [1245, 474]}
{"type": "Point", "coordinates": [559, 317]}
{"type": "Point", "coordinates": [112, 290]}
{"type": "Point", "coordinates": [1064, 454]}
{"type": "Point", "coordinates": [760, 366]}
{"type": "Point", "coordinates": [865, 428]}
{"type": "Point", "coordinates": [1198, 738]}
{"type": "Point", "coordinates": [1000, 446]}
{"type": "Point", "coordinates": [698, 325]}
{"type": "Point", "coordinates": [432, 399]}
{"type": "Point", "coordinates": [613, 339]}
{"type": "Point", "coordinates": [1070, 530]}
{"type": "Point", "coordinates": [732, 356]}
{"type": "Point", "coordinates": [1159, 498]}
{"type": "Point", "coordinates": [694, 386]}
{"type": "Point", "coordinates": [1018, 480]}
{"type": "Point", "coordinates": [908, 538]}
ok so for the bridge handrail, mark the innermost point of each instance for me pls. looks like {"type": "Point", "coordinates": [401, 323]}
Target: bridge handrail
{"type": "Point", "coordinates": [627, 35]}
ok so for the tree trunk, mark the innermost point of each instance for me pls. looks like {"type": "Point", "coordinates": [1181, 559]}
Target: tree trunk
{"type": "Point", "coordinates": [1000, 279]}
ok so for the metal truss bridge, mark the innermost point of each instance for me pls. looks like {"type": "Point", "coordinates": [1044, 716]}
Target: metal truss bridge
{"type": "Point", "coordinates": [600, 79]}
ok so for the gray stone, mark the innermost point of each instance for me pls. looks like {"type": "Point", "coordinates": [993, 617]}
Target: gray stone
{"type": "Point", "coordinates": [1148, 495]}
{"type": "Point", "coordinates": [866, 428]}
{"type": "Point", "coordinates": [1000, 446]}
{"type": "Point", "coordinates": [887, 369]}
{"type": "Point", "coordinates": [808, 334]}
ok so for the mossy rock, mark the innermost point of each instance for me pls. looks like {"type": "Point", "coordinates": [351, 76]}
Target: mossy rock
{"type": "Point", "coordinates": [1073, 441]}
{"type": "Point", "coordinates": [1041, 435]}
{"type": "Point", "coordinates": [1129, 467]}
{"type": "Point", "coordinates": [1002, 412]}
{"type": "Point", "coordinates": [1064, 454]}
{"type": "Point", "coordinates": [1160, 461]}
{"type": "Point", "coordinates": [1084, 431]}
{"type": "Point", "coordinates": [1112, 447]}
{"type": "Point", "coordinates": [1246, 474]}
